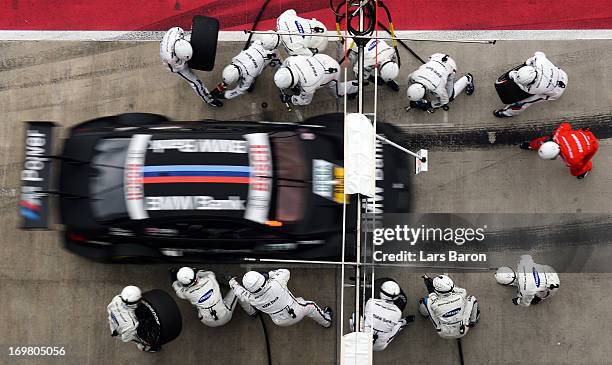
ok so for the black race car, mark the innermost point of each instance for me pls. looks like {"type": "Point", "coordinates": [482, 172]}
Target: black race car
{"type": "Point", "coordinates": [139, 187]}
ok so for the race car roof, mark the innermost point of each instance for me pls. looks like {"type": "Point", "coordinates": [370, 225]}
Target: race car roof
{"type": "Point", "coordinates": [180, 174]}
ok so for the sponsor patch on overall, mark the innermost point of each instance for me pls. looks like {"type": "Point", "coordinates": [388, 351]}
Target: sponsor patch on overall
{"type": "Point", "coordinates": [451, 313]}
{"type": "Point", "coordinates": [536, 277]}
{"type": "Point", "coordinates": [205, 297]}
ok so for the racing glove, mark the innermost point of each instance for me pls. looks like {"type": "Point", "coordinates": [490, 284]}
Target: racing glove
{"type": "Point", "coordinates": [515, 301]}
{"type": "Point", "coordinates": [285, 98]}
{"type": "Point", "coordinates": [536, 300]}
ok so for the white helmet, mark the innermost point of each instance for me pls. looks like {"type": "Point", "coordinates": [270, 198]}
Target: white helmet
{"type": "Point", "coordinates": [505, 275]}
{"type": "Point", "coordinates": [131, 294]}
{"type": "Point", "coordinates": [183, 50]}
{"type": "Point", "coordinates": [389, 71]}
{"type": "Point", "coordinates": [253, 281]}
{"type": "Point", "coordinates": [269, 40]}
{"type": "Point", "coordinates": [416, 91]}
{"type": "Point", "coordinates": [389, 290]}
{"type": "Point", "coordinates": [186, 276]}
{"type": "Point", "coordinates": [283, 78]}
{"type": "Point", "coordinates": [525, 75]}
{"type": "Point", "coordinates": [231, 74]}
{"type": "Point", "coordinates": [317, 26]}
{"type": "Point", "coordinates": [549, 150]}
{"type": "Point", "coordinates": [443, 284]}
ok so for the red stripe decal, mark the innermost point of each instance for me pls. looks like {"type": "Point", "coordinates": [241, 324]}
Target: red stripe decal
{"type": "Point", "coordinates": [29, 205]}
{"type": "Point", "coordinates": [195, 179]}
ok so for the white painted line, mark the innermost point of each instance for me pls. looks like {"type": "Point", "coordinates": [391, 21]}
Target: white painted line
{"type": "Point", "coordinates": [240, 36]}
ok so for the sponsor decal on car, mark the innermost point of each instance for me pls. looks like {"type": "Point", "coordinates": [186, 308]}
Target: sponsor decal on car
{"type": "Point", "coordinates": [193, 203]}
{"type": "Point", "coordinates": [166, 232]}
{"type": "Point", "coordinates": [35, 175]}
{"type": "Point", "coordinates": [115, 231]}
{"type": "Point", "coordinates": [376, 204]}
{"type": "Point", "coordinates": [260, 181]}
{"type": "Point", "coordinates": [173, 174]}
{"type": "Point", "coordinates": [133, 176]}
{"type": "Point", "coordinates": [328, 180]}
{"type": "Point", "coordinates": [199, 145]}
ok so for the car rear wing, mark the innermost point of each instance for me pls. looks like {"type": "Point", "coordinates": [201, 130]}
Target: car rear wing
{"type": "Point", "coordinates": [36, 175]}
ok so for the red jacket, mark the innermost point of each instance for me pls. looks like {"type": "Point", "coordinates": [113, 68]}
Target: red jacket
{"type": "Point", "coordinates": [577, 147]}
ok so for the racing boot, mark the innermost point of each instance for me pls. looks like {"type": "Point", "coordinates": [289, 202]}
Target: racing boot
{"type": "Point", "coordinates": [393, 85]}
{"type": "Point", "coordinates": [469, 89]}
{"type": "Point", "coordinates": [352, 96]}
{"type": "Point", "coordinates": [500, 113]}
{"type": "Point", "coordinates": [525, 145]}
{"type": "Point", "coordinates": [582, 176]}
{"type": "Point", "coordinates": [330, 314]}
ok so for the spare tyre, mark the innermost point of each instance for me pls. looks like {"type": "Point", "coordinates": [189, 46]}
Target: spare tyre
{"type": "Point", "coordinates": [509, 92]}
{"type": "Point", "coordinates": [159, 318]}
{"type": "Point", "coordinates": [204, 35]}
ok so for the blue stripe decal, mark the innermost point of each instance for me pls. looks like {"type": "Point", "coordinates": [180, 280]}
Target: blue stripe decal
{"type": "Point", "coordinates": [29, 214]}
{"type": "Point", "coordinates": [183, 168]}
{"type": "Point", "coordinates": [197, 173]}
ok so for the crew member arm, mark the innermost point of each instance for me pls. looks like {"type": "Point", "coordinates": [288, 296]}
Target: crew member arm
{"type": "Point", "coordinates": [243, 85]}
{"type": "Point", "coordinates": [281, 275]}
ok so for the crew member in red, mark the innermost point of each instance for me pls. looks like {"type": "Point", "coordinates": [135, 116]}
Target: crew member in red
{"type": "Point", "coordinates": [576, 147]}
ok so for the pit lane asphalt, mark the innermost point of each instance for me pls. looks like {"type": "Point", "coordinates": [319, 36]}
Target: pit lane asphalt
{"type": "Point", "coordinates": [52, 297]}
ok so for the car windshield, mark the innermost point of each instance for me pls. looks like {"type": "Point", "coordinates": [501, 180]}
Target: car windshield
{"type": "Point", "coordinates": [290, 171]}
{"type": "Point", "coordinates": [106, 179]}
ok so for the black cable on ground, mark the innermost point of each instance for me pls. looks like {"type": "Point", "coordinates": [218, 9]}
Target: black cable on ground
{"type": "Point", "coordinates": [391, 31]}
{"type": "Point", "coordinates": [257, 19]}
{"type": "Point", "coordinates": [460, 351]}
{"type": "Point", "coordinates": [265, 331]}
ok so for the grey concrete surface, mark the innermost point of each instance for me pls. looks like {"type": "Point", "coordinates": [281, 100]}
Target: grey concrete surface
{"type": "Point", "coordinates": [560, 331]}
{"type": "Point", "coordinates": [52, 297]}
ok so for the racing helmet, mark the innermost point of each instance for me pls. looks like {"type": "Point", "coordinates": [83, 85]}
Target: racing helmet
{"type": "Point", "coordinates": [284, 79]}
{"type": "Point", "coordinates": [416, 91]}
{"type": "Point", "coordinates": [505, 275]}
{"type": "Point", "coordinates": [253, 281]}
{"type": "Point", "coordinates": [186, 276]}
{"type": "Point", "coordinates": [389, 71]}
{"type": "Point", "coordinates": [317, 26]}
{"type": "Point", "coordinates": [549, 150]}
{"type": "Point", "coordinates": [525, 75]}
{"type": "Point", "coordinates": [443, 284]}
{"type": "Point", "coordinates": [269, 40]}
{"type": "Point", "coordinates": [183, 50]}
{"type": "Point", "coordinates": [389, 290]}
{"type": "Point", "coordinates": [231, 74]}
{"type": "Point", "coordinates": [130, 294]}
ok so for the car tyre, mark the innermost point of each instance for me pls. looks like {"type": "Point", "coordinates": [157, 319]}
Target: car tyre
{"type": "Point", "coordinates": [159, 318]}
